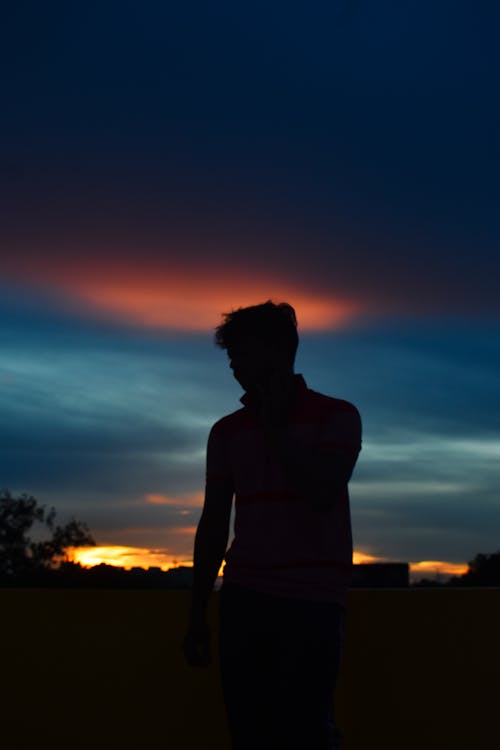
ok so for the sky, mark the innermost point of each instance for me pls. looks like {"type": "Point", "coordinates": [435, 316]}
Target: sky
{"type": "Point", "coordinates": [162, 164]}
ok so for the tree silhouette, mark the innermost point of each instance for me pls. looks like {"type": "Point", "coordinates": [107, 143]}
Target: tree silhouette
{"type": "Point", "coordinates": [19, 555]}
{"type": "Point", "coordinates": [484, 570]}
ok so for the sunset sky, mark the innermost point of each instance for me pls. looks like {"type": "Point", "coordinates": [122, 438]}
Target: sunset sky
{"type": "Point", "coordinates": [164, 163]}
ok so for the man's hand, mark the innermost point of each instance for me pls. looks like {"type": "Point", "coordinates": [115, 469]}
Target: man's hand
{"type": "Point", "coordinates": [196, 644]}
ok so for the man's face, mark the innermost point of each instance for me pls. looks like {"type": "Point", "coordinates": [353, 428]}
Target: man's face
{"type": "Point", "coordinates": [252, 361]}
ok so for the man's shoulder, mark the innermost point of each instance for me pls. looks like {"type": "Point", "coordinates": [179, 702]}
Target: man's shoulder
{"type": "Point", "coordinates": [229, 422]}
{"type": "Point", "coordinates": [340, 419]}
{"type": "Point", "coordinates": [331, 404]}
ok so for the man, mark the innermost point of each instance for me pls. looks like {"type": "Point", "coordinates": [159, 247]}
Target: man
{"type": "Point", "coordinates": [287, 456]}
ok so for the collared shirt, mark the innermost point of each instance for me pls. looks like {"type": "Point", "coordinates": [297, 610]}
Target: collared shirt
{"type": "Point", "coordinates": [281, 546]}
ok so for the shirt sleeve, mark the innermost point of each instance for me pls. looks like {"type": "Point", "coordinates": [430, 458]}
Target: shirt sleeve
{"type": "Point", "coordinates": [340, 438]}
{"type": "Point", "coordinates": [342, 430]}
{"type": "Point", "coordinates": [218, 467]}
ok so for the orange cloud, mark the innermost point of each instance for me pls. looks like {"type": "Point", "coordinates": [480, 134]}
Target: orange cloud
{"type": "Point", "coordinates": [181, 298]}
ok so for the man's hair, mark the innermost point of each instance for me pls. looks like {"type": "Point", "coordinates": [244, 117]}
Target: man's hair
{"type": "Point", "coordinates": [270, 322]}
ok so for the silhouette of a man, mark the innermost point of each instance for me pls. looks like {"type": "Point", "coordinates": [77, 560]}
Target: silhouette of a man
{"type": "Point", "coordinates": [287, 456]}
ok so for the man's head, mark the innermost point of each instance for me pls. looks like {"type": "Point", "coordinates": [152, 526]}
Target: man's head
{"type": "Point", "coordinates": [258, 340]}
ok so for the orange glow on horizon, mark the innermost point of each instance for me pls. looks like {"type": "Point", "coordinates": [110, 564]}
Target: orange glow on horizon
{"type": "Point", "coordinates": [420, 569]}
{"type": "Point", "coordinates": [438, 566]}
{"type": "Point", "coordinates": [361, 557]}
{"type": "Point", "coordinates": [128, 557]}
{"type": "Point", "coordinates": [182, 298]}
{"type": "Point", "coordinates": [125, 557]}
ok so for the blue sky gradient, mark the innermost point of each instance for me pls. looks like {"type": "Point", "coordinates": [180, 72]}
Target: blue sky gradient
{"type": "Point", "coordinates": [162, 165]}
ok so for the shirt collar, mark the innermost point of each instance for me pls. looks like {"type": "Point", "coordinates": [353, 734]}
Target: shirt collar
{"type": "Point", "coordinates": [300, 389]}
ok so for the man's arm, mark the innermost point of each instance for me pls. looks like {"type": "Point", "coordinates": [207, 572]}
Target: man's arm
{"type": "Point", "coordinates": [324, 480]}
{"type": "Point", "coordinates": [319, 473]}
{"type": "Point", "coordinates": [210, 544]}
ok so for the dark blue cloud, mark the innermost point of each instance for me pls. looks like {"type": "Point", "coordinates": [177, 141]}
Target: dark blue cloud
{"type": "Point", "coordinates": [439, 377]}
{"type": "Point", "coordinates": [93, 422]}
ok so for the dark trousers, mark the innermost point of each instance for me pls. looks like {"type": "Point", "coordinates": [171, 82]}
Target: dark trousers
{"type": "Point", "coordinates": [279, 661]}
